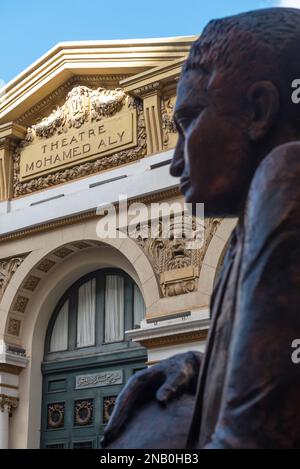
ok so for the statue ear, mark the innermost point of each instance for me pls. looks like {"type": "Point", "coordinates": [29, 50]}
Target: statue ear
{"type": "Point", "coordinates": [263, 99]}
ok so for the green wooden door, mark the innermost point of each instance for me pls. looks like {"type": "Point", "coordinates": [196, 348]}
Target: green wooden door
{"type": "Point", "coordinates": [80, 384]}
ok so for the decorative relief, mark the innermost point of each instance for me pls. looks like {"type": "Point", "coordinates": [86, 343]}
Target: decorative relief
{"type": "Point", "coordinates": [83, 412]}
{"type": "Point", "coordinates": [81, 245]}
{"type": "Point", "coordinates": [82, 104]}
{"type": "Point", "coordinates": [88, 80]}
{"type": "Point", "coordinates": [7, 268]}
{"type": "Point", "coordinates": [67, 157]}
{"type": "Point", "coordinates": [168, 125]}
{"type": "Point", "coordinates": [108, 407]}
{"type": "Point", "coordinates": [63, 252]}
{"type": "Point", "coordinates": [14, 327]}
{"type": "Point", "coordinates": [148, 89]}
{"type": "Point", "coordinates": [106, 378]}
{"type": "Point", "coordinates": [176, 266]}
{"type": "Point", "coordinates": [56, 415]}
{"type": "Point", "coordinates": [46, 265]}
{"type": "Point", "coordinates": [31, 283]}
{"type": "Point", "coordinates": [21, 304]}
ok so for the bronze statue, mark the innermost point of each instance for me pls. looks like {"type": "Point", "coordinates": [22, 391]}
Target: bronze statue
{"type": "Point", "coordinates": [239, 153]}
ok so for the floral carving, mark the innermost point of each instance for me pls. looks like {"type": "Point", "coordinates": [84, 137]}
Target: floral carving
{"type": "Point", "coordinates": [82, 104]}
{"type": "Point", "coordinates": [7, 268]}
{"type": "Point", "coordinates": [168, 124]}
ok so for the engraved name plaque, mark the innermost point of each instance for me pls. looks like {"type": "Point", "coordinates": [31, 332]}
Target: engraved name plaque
{"type": "Point", "coordinates": [76, 145]}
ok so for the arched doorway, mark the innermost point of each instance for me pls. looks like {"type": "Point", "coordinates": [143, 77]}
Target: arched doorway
{"type": "Point", "coordinates": [87, 358]}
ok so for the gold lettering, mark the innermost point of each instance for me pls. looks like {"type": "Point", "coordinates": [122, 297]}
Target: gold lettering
{"type": "Point", "coordinates": [102, 142]}
{"type": "Point", "coordinates": [121, 135]}
{"type": "Point", "coordinates": [67, 155]}
{"type": "Point", "coordinates": [73, 140]}
{"type": "Point", "coordinates": [29, 168]}
{"type": "Point", "coordinates": [76, 151]}
{"type": "Point", "coordinates": [56, 159]}
{"type": "Point", "coordinates": [86, 148]}
{"type": "Point", "coordinates": [54, 146]}
{"type": "Point", "coordinates": [75, 145]}
{"type": "Point", "coordinates": [48, 160]}
{"type": "Point", "coordinates": [110, 141]}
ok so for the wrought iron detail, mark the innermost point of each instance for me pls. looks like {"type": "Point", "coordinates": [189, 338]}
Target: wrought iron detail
{"type": "Point", "coordinates": [56, 415]}
{"type": "Point", "coordinates": [83, 412]}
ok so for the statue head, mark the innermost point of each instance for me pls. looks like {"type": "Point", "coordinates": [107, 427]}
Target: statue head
{"type": "Point", "coordinates": [234, 105]}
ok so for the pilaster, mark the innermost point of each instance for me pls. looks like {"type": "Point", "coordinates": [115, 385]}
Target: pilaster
{"type": "Point", "coordinates": [152, 104]}
{"type": "Point", "coordinates": [10, 134]}
{"type": "Point", "coordinates": [12, 361]}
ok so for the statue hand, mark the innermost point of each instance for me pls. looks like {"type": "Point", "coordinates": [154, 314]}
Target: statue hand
{"type": "Point", "coordinates": [164, 381]}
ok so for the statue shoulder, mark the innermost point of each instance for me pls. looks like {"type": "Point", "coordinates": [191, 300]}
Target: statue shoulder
{"type": "Point", "coordinates": [274, 195]}
{"type": "Point", "coordinates": [275, 187]}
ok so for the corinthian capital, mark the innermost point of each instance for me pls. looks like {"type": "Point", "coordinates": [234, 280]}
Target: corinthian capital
{"type": "Point", "coordinates": [8, 402]}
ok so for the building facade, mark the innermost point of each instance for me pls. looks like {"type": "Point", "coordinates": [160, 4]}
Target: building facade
{"type": "Point", "coordinates": [80, 313]}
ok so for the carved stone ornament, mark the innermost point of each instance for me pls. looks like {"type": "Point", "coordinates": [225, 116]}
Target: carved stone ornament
{"type": "Point", "coordinates": [168, 124]}
{"type": "Point", "coordinates": [175, 264]}
{"type": "Point", "coordinates": [7, 268]}
{"type": "Point", "coordinates": [8, 403]}
{"type": "Point", "coordinates": [83, 105]}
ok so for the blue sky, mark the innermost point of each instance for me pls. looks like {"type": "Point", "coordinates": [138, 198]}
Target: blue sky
{"type": "Point", "coordinates": [29, 28]}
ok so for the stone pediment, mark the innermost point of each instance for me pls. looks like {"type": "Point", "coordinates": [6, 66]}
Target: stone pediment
{"type": "Point", "coordinates": [88, 107]}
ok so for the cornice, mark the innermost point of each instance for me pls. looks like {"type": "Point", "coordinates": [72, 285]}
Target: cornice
{"type": "Point", "coordinates": [155, 197]}
{"type": "Point", "coordinates": [148, 89]}
{"type": "Point", "coordinates": [93, 57]}
{"type": "Point", "coordinates": [163, 74]}
{"type": "Point", "coordinates": [175, 339]}
{"type": "Point", "coordinates": [11, 130]}
{"type": "Point", "coordinates": [12, 369]}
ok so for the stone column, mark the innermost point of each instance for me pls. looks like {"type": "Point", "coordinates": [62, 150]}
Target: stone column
{"type": "Point", "coordinates": [6, 405]}
{"type": "Point", "coordinates": [12, 361]}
